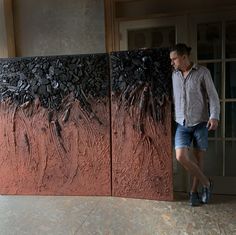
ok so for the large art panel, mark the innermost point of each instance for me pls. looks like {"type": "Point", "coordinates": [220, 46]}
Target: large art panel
{"type": "Point", "coordinates": [55, 125]}
{"type": "Point", "coordinates": [94, 124]}
{"type": "Point", "coordinates": [141, 124]}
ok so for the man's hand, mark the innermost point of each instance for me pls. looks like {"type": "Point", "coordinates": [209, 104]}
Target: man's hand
{"type": "Point", "coordinates": [212, 124]}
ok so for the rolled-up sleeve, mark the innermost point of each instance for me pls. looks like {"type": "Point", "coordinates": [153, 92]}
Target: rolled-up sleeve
{"type": "Point", "coordinates": [213, 98]}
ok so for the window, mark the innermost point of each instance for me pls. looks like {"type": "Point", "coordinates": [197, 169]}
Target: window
{"type": "Point", "coordinates": [216, 49]}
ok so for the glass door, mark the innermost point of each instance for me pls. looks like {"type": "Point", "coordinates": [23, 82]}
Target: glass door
{"type": "Point", "coordinates": [151, 37]}
{"type": "Point", "coordinates": [215, 48]}
{"type": "Point", "coordinates": [158, 32]}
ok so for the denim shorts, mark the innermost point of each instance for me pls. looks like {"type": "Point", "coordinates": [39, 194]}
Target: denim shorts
{"type": "Point", "coordinates": [196, 135]}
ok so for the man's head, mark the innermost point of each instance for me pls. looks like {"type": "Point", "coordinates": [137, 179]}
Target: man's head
{"type": "Point", "coordinates": [179, 55]}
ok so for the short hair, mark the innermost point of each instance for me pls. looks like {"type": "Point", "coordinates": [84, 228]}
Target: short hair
{"type": "Point", "coordinates": [181, 49]}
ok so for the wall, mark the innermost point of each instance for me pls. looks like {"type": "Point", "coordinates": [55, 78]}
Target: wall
{"type": "Point", "coordinates": [52, 27]}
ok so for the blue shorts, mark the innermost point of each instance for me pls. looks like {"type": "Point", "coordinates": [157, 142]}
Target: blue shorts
{"type": "Point", "coordinates": [198, 135]}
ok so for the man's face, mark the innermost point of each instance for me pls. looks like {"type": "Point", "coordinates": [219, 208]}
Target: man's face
{"type": "Point", "coordinates": [177, 61]}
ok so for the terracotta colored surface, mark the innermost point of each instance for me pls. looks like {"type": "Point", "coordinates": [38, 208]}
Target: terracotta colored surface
{"type": "Point", "coordinates": [142, 164]}
{"type": "Point", "coordinates": [141, 119]}
{"type": "Point", "coordinates": [60, 143]}
{"type": "Point", "coordinates": [38, 156]}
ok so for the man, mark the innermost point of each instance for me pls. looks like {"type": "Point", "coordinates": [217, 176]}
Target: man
{"type": "Point", "coordinates": [197, 110]}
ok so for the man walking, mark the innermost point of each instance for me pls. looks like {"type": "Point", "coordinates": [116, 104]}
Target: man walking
{"type": "Point", "coordinates": [197, 110]}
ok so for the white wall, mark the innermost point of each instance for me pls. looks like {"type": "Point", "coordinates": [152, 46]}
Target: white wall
{"type": "Point", "coordinates": [52, 27]}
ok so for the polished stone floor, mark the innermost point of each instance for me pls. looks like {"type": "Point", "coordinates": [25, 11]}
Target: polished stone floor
{"type": "Point", "coordinates": [34, 215]}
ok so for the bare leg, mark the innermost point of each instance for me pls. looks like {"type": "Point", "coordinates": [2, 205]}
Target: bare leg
{"type": "Point", "coordinates": [182, 155]}
{"type": "Point", "coordinates": [198, 154]}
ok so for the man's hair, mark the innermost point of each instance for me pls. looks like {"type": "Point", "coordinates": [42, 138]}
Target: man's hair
{"type": "Point", "coordinates": [181, 49]}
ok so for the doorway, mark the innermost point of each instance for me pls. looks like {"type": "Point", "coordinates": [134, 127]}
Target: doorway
{"type": "Point", "coordinates": [213, 40]}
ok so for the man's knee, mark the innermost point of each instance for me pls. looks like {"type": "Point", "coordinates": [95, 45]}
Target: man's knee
{"type": "Point", "coordinates": [181, 156]}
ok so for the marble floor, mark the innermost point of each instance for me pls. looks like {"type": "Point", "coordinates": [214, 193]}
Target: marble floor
{"type": "Point", "coordinates": [65, 215]}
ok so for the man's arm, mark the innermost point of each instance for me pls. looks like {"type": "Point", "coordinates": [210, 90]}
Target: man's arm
{"type": "Point", "coordinates": [212, 124]}
{"type": "Point", "coordinates": [214, 102]}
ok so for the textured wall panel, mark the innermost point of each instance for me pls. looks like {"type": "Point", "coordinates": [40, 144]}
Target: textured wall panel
{"type": "Point", "coordinates": [141, 118]}
{"type": "Point", "coordinates": [55, 125]}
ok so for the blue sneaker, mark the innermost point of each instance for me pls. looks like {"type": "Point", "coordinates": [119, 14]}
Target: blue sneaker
{"type": "Point", "coordinates": [206, 193]}
{"type": "Point", "coordinates": [194, 199]}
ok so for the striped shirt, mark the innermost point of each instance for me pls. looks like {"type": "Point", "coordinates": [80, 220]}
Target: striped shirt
{"type": "Point", "coordinates": [195, 97]}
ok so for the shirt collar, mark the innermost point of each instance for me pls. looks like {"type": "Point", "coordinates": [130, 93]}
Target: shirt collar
{"type": "Point", "coordinates": [194, 67]}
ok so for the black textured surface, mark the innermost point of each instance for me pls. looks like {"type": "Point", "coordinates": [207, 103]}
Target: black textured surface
{"type": "Point", "coordinates": [52, 78]}
{"type": "Point", "coordinates": [143, 78]}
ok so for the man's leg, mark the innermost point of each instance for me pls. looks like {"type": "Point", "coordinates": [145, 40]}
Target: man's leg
{"type": "Point", "coordinates": [182, 155]}
{"type": "Point", "coordinates": [198, 155]}
{"type": "Point", "coordinates": [200, 141]}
